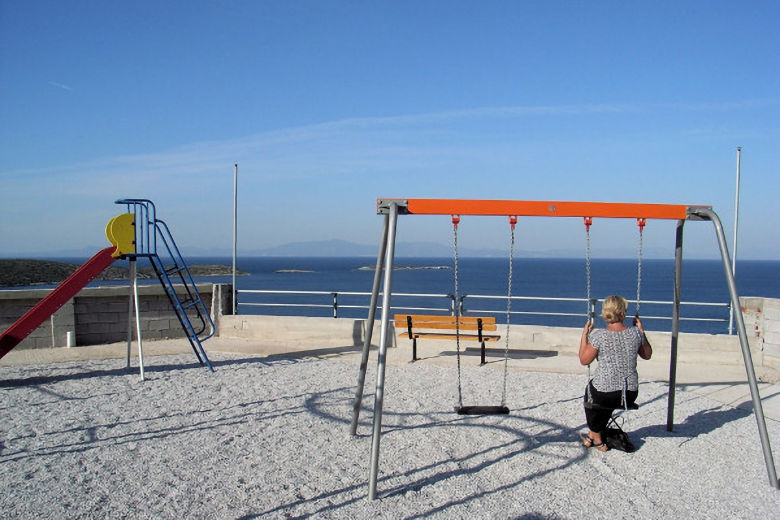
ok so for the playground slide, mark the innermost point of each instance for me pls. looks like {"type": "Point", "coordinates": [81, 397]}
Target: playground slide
{"type": "Point", "coordinates": [120, 231]}
{"type": "Point", "coordinates": [56, 299]}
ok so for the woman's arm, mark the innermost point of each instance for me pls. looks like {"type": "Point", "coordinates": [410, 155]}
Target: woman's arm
{"type": "Point", "coordinates": [645, 350]}
{"type": "Point", "coordinates": [587, 351]}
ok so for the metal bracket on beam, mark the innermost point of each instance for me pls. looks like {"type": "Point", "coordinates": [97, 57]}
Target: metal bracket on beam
{"type": "Point", "coordinates": [698, 212]}
{"type": "Point", "coordinates": [383, 206]}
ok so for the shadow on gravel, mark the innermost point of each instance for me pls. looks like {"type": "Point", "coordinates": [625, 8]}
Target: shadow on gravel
{"type": "Point", "coordinates": [88, 374]}
{"type": "Point", "coordinates": [548, 436]}
{"type": "Point", "coordinates": [122, 370]}
{"type": "Point", "coordinates": [700, 423]}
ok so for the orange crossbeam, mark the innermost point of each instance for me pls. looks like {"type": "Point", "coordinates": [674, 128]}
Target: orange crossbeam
{"type": "Point", "coordinates": [538, 208]}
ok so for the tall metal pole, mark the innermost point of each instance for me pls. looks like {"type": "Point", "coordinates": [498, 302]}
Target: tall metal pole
{"type": "Point", "coordinates": [736, 228]}
{"type": "Point", "coordinates": [235, 232]}
{"type": "Point", "coordinates": [134, 308]}
{"type": "Point", "coordinates": [131, 277]}
{"type": "Point", "coordinates": [138, 323]}
{"type": "Point", "coordinates": [383, 341]}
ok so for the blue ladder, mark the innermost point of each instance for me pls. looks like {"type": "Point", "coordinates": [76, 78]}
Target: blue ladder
{"type": "Point", "coordinates": [190, 309]}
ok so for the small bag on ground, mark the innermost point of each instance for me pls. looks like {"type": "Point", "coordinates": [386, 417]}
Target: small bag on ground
{"type": "Point", "coordinates": [617, 439]}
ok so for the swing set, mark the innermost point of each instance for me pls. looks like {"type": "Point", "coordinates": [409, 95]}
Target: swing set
{"type": "Point", "coordinates": [392, 208]}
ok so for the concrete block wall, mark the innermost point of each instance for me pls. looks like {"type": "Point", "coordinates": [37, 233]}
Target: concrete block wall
{"type": "Point", "coordinates": [52, 333]}
{"type": "Point", "coordinates": [299, 333]}
{"type": "Point", "coordinates": [99, 315]}
{"type": "Point", "coordinates": [762, 321]}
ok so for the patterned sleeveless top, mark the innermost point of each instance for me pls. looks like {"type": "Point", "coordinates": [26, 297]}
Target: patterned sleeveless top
{"type": "Point", "coordinates": [617, 355]}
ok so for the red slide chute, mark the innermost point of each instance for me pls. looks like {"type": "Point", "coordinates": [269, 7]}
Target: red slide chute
{"type": "Point", "coordinates": [56, 299]}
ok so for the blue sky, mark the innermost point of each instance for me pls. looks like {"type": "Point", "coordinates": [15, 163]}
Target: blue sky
{"type": "Point", "coordinates": [328, 105]}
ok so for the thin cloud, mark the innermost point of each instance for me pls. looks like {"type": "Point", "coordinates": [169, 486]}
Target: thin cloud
{"type": "Point", "coordinates": [431, 154]}
{"type": "Point", "coordinates": [348, 144]}
{"type": "Point", "coordinates": [60, 85]}
{"type": "Point", "coordinates": [719, 106]}
{"type": "Point", "coordinates": [477, 113]}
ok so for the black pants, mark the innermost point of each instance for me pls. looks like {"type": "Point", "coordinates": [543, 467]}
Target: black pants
{"type": "Point", "coordinates": [598, 412]}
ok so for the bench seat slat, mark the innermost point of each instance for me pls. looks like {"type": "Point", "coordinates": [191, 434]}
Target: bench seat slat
{"type": "Point", "coordinates": [447, 326]}
{"type": "Point", "coordinates": [442, 318]}
{"type": "Point", "coordinates": [444, 335]}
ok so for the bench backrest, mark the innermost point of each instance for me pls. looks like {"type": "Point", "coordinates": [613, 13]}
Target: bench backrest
{"type": "Point", "coordinates": [432, 321]}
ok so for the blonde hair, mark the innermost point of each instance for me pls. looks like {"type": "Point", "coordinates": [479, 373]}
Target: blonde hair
{"type": "Point", "coordinates": [613, 310]}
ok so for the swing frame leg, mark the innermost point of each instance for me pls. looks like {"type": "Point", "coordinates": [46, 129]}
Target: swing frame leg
{"type": "Point", "coordinates": [381, 358]}
{"type": "Point", "coordinates": [358, 401]}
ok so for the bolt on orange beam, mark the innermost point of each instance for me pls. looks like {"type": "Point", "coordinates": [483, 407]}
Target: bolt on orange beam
{"type": "Point", "coordinates": [538, 208]}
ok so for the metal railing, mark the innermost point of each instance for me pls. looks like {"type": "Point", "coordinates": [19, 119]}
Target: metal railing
{"type": "Point", "coordinates": [335, 303]}
{"type": "Point", "coordinates": [595, 301]}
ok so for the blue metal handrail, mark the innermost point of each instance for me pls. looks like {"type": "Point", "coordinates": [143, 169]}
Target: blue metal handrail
{"type": "Point", "coordinates": [188, 306]}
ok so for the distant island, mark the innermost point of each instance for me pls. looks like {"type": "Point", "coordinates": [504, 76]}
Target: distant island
{"type": "Point", "coordinates": [406, 267]}
{"type": "Point", "coordinates": [23, 272]}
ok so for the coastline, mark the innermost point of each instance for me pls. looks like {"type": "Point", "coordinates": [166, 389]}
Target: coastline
{"type": "Point", "coordinates": [19, 273]}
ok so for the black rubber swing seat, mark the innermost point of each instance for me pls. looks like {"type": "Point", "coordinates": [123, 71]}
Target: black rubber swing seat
{"type": "Point", "coordinates": [594, 406]}
{"type": "Point", "coordinates": [482, 410]}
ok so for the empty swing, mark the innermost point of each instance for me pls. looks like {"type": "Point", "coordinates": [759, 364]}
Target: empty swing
{"type": "Point", "coordinates": [591, 305]}
{"type": "Point", "coordinates": [501, 409]}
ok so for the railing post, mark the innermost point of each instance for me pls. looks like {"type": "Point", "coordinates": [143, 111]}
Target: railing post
{"type": "Point", "coordinates": [335, 304]}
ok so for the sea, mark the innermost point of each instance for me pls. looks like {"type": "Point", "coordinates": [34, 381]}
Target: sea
{"type": "Point", "coordinates": [483, 284]}
{"type": "Point", "coordinates": [545, 291]}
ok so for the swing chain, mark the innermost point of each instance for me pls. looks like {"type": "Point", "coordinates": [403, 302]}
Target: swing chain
{"type": "Point", "coordinates": [589, 302]}
{"type": "Point", "coordinates": [456, 302]}
{"type": "Point", "coordinates": [641, 223]}
{"type": "Point", "coordinates": [512, 222]}
{"type": "Point", "coordinates": [590, 312]}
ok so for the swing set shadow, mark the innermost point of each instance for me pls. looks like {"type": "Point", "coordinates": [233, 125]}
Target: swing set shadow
{"type": "Point", "coordinates": [383, 274]}
{"type": "Point", "coordinates": [512, 353]}
{"type": "Point", "coordinates": [492, 355]}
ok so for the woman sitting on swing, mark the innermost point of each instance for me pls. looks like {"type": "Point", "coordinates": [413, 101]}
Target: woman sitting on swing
{"type": "Point", "coordinates": [615, 383]}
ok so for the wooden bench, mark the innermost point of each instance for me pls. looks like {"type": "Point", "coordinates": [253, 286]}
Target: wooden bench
{"type": "Point", "coordinates": [424, 325]}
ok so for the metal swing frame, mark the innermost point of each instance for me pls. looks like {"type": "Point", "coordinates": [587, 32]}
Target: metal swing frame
{"type": "Point", "coordinates": [392, 208]}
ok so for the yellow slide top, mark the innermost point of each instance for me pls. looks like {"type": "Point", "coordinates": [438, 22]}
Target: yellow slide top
{"type": "Point", "coordinates": [120, 231]}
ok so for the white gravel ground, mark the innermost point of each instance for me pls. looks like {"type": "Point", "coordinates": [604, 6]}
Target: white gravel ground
{"type": "Point", "coordinates": [269, 437]}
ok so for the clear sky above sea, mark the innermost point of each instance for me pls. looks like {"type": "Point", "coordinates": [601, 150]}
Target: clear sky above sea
{"type": "Point", "coordinates": [328, 105]}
